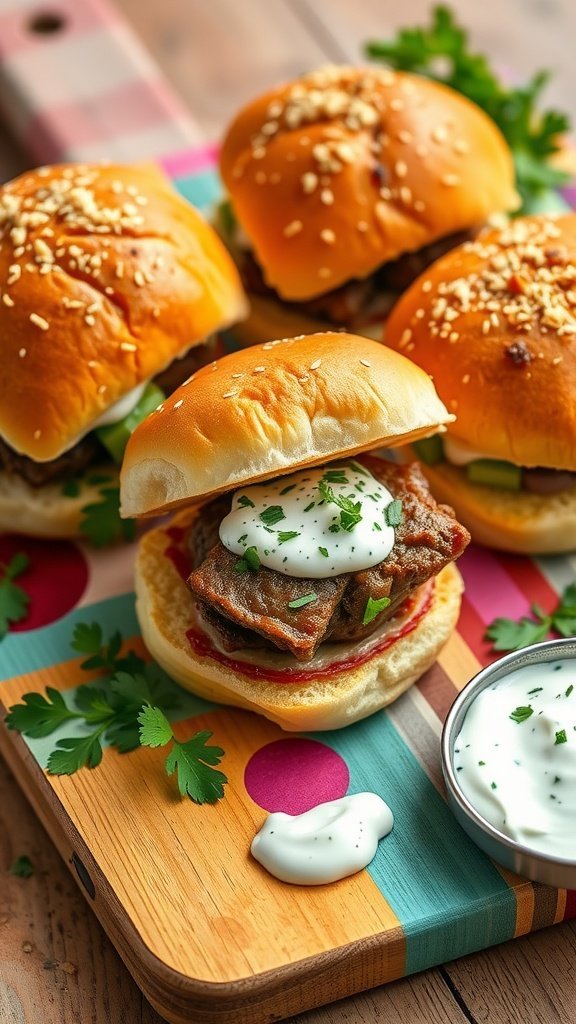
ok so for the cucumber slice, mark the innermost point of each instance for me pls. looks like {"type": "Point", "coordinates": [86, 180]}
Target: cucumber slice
{"type": "Point", "coordinates": [504, 475]}
{"type": "Point", "coordinates": [114, 436]}
{"type": "Point", "coordinates": [430, 450]}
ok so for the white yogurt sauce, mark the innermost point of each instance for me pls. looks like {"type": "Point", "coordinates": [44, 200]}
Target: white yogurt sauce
{"type": "Point", "coordinates": [326, 843]}
{"type": "Point", "coordinates": [459, 454]}
{"type": "Point", "coordinates": [298, 532]}
{"type": "Point", "coordinates": [121, 408]}
{"type": "Point", "coordinates": [515, 757]}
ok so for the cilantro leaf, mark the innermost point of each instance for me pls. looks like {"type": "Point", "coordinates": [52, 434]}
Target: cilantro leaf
{"type": "Point", "coordinates": [101, 523]}
{"type": "Point", "coordinates": [22, 867]}
{"type": "Point", "coordinates": [192, 761]}
{"type": "Point", "coordinates": [286, 535]}
{"type": "Point", "coordinates": [522, 714]}
{"type": "Point", "coordinates": [272, 515]}
{"type": "Point", "coordinates": [350, 514]}
{"type": "Point", "coordinates": [38, 716]}
{"type": "Point", "coordinates": [373, 608]}
{"type": "Point", "coordinates": [511, 635]}
{"type": "Point", "coordinates": [561, 737]}
{"type": "Point", "coordinates": [88, 639]}
{"type": "Point", "coordinates": [14, 600]}
{"type": "Point", "coordinates": [75, 753]}
{"type": "Point", "coordinates": [393, 513]}
{"type": "Point", "coordinates": [441, 52]}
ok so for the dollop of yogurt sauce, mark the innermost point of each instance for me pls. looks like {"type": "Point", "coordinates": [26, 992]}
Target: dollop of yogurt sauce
{"type": "Point", "coordinates": [326, 843]}
{"type": "Point", "coordinates": [315, 523]}
{"type": "Point", "coordinates": [515, 756]}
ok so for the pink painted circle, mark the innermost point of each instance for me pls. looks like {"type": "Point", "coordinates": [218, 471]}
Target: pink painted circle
{"type": "Point", "coordinates": [55, 579]}
{"type": "Point", "coordinates": [293, 775]}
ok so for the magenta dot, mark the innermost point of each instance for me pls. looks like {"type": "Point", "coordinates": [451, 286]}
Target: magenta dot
{"type": "Point", "coordinates": [55, 579]}
{"type": "Point", "coordinates": [293, 775]}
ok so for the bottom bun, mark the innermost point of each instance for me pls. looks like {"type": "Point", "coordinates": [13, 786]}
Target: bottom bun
{"type": "Point", "coordinates": [269, 318]}
{"type": "Point", "coordinates": [47, 511]}
{"type": "Point", "coordinates": [527, 524]}
{"type": "Point", "coordinates": [166, 611]}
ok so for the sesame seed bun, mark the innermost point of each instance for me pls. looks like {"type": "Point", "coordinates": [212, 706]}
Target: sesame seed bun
{"type": "Point", "coordinates": [271, 409]}
{"type": "Point", "coordinates": [107, 275]}
{"type": "Point", "coordinates": [345, 169]}
{"type": "Point", "coordinates": [165, 610]}
{"type": "Point", "coordinates": [494, 323]}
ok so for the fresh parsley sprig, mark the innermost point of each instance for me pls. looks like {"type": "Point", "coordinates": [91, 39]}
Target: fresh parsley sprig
{"type": "Point", "coordinates": [193, 761]}
{"type": "Point", "coordinates": [511, 635]}
{"type": "Point", "coordinates": [350, 510]}
{"type": "Point", "coordinates": [441, 51]}
{"type": "Point", "coordinates": [14, 601]}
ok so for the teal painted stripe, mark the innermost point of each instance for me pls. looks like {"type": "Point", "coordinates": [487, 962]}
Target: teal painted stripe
{"type": "Point", "coordinates": [21, 653]}
{"type": "Point", "coordinates": [202, 189]}
{"type": "Point", "coordinates": [448, 896]}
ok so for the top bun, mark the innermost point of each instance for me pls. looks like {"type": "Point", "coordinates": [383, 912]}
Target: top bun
{"type": "Point", "coordinates": [271, 409]}
{"type": "Point", "coordinates": [346, 168]}
{"type": "Point", "coordinates": [494, 322]}
{"type": "Point", "coordinates": [106, 275]}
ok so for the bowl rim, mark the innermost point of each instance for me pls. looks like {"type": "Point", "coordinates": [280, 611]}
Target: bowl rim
{"type": "Point", "coordinates": [540, 653]}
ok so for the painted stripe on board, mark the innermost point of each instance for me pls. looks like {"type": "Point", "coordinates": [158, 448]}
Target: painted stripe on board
{"type": "Point", "coordinates": [472, 628]}
{"type": "Point", "coordinates": [489, 589]}
{"type": "Point", "coordinates": [527, 575]}
{"type": "Point", "coordinates": [427, 869]}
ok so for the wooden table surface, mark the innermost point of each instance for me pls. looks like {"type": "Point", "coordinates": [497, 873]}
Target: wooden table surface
{"type": "Point", "coordinates": [56, 964]}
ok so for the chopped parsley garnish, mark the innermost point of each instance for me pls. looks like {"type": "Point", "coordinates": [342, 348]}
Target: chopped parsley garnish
{"type": "Point", "coordinates": [284, 535]}
{"type": "Point", "coordinates": [441, 51]}
{"type": "Point", "coordinates": [393, 513]}
{"type": "Point", "coordinates": [522, 713]}
{"type": "Point", "coordinates": [310, 506]}
{"type": "Point", "coordinates": [336, 476]}
{"type": "Point", "coordinates": [376, 526]}
{"type": "Point", "coordinates": [244, 502]}
{"type": "Point", "coordinates": [561, 737]}
{"type": "Point", "coordinates": [13, 600]}
{"type": "Point", "coordinates": [373, 608]}
{"type": "Point", "coordinates": [537, 689]}
{"type": "Point", "coordinates": [101, 523]}
{"type": "Point", "coordinates": [511, 635]}
{"type": "Point", "coordinates": [493, 785]}
{"type": "Point", "coordinates": [111, 712]}
{"type": "Point", "coordinates": [350, 514]}
{"type": "Point", "coordinates": [300, 602]}
{"type": "Point", "coordinates": [481, 763]}
{"type": "Point", "coordinates": [272, 515]}
{"type": "Point", "coordinates": [193, 761]}
{"type": "Point", "coordinates": [242, 539]}
{"type": "Point", "coordinates": [288, 489]}
{"type": "Point", "coordinates": [250, 562]}
{"type": "Point", "coordinates": [358, 468]}
{"type": "Point", "coordinates": [569, 690]}
{"type": "Point", "coordinates": [324, 552]}
{"type": "Point", "coordinates": [22, 867]}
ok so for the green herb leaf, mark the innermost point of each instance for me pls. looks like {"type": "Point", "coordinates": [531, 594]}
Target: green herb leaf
{"type": "Point", "coordinates": [272, 515]}
{"type": "Point", "coordinates": [285, 535]}
{"type": "Point", "coordinates": [101, 523]}
{"type": "Point", "coordinates": [561, 737]}
{"type": "Point", "coordinates": [569, 690]}
{"type": "Point", "coordinates": [310, 506]}
{"type": "Point", "coordinates": [155, 729]}
{"type": "Point", "coordinates": [286, 490]}
{"type": "Point", "coordinates": [13, 600]}
{"type": "Point", "coordinates": [192, 761]}
{"type": "Point", "coordinates": [323, 552]}
{"type": "Point", "coordinates": [70, 489]}
{"type": "Point", "coordinates": [509, 635]}
{"type": "Point", "coordinates": [251, 558]}
{"type": "Point", "coordinates": [393, 513]}
{"type": "Point", "coordinates": [22, 867]}
{"type": "Point", "coordinates": [75, 753]}
{"type": "Point", "coordinates": [441, 51]}
{"type": "Point", "coordinates": [336, 476]}
{"type": "Point", "coordinates": [350, 514]}
{"type": "Point", "coordinates": [39, 715]}
{"type": "Point", "coordinates": [300, 602]}
{"type": "Point", "coordinates": [522, 713]}
{"type": "Point", "coordinates": [244, 502]}
{"type": "Point", "coordinates": [373, 608]}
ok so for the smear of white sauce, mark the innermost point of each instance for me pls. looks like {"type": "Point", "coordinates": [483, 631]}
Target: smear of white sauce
{"type": "Point", "coordinates": [307, 539]}
{"type": "Point", "coordinates": [515, 756]}
{"type": "Point", "coordinates": [326, 843]}
{"type": "Point", "coordinates": [459, 454]}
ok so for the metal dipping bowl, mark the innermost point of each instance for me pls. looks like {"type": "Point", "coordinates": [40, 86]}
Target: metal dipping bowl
{"type": "Point", "coordinates": [524, 860]}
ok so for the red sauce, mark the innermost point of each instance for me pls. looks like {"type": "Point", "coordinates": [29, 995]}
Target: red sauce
{"type": "Point", "coordinates": [203, 647]}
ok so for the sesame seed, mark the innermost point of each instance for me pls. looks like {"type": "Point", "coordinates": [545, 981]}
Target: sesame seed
{"type": "Point", "coordinates": [128, 346]}
{"type": "Point", "coordinates": [37, 435]}
{"type": "Point", "coordinates": [229, 394]}
{"type": "Point", "coordinates": [179, 403]}
{"type": "Point", "coordinates": [421, 149]}
{"type": "Point", "coordinates": [7, 300]}
{"type": "Point", "coordinates": [324, 272]}
{"type": "Point", "coordinates": [405, 137]}
{"type": "Point", "coordinates": [302, 380]}
{"type": "Point", "coordinates": [237, 375]}
{"type": "Point", "coordinates": [102, 388]}
{"type": "Point", "coordinates": [365, 362]}
{"type": "Point", "coordinates": [450, 180]}
{"type": "Point", "coordinates": [90, 320]}
{"type": "Point", "coordinates": [328, 236]}
{"type": "Point", "coordinates": [139, 278]}
{"type": "Point", "coordinates": [400, 169]}
{"type": "Point", "coordinates": [461, 146]}
{"type": "Point", "coordinates": [426, 286]}
{"type": "Point", "coordinates": [466, 378]}
{"type": "Point", "coordinates": [316, 364]}
{"type": "Point", "coordinates": [419, 205]}
{"type": "Point", "coordinates": [557, 360]}
{"type": "Point", "coordinates": [293, 228]}
{"type": "Point", "coordinates": [396, 104]}
{"type": "Point", "coordinates": [327, 196]}
{"type": "Point", "coordinates": [22, 353]}
{"type": "Point", "coordinates": [439, 134]}
{"type": "Point", "coordinates": [39, 321]}
{"type": "Point", "coordinates": [362, 225]}
{"type": "Point", "coordinates": [406, 337]}
{"type": "Point", "coordinates": [259, 369]}
{"type": "Point", "coordinates": [309, 182]}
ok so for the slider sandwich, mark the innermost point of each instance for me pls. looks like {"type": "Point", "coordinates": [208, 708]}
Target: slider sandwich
{"type": "Point", "coordinates": [111, 289]}
{"type": "Point", "coordinates": [494, 323]}
{"type": "Point", "coordinates": [301, 576]}
{"type": "Point", "coordinates": [344, 185]}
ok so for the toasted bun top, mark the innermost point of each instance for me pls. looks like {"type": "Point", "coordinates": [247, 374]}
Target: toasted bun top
{"type": "Point", "coordinates": [494, 322]}
{"type": "Point", "coordinates": [347, 168]}
{"type": "Point", "coordinates": [106, 275]}
{"type": "Point", "coordinates": [273, 408]}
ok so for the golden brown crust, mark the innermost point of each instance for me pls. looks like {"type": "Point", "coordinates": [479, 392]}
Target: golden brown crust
{"type": "Point", "coordinates": [494, 323]}
{"type": "Point", "coordinates": [106, 275]}
{"type": "Point", "coordinates": [273, 408]}
{"type": "Point", "coordinates": [346, 168]}
{"type": "Point", "coordinates": [165, 611]}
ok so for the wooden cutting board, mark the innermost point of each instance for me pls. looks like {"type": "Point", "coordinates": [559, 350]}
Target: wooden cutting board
{"type": "Point", "coordinates": [206, 933]}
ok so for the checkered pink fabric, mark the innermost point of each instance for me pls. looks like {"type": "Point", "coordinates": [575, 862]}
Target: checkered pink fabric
{"type": "Point", "coordinates": [87, 90]}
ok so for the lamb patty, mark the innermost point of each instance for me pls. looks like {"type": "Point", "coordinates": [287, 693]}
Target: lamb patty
{"type": "Point", "coordinates": [252, 609]}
